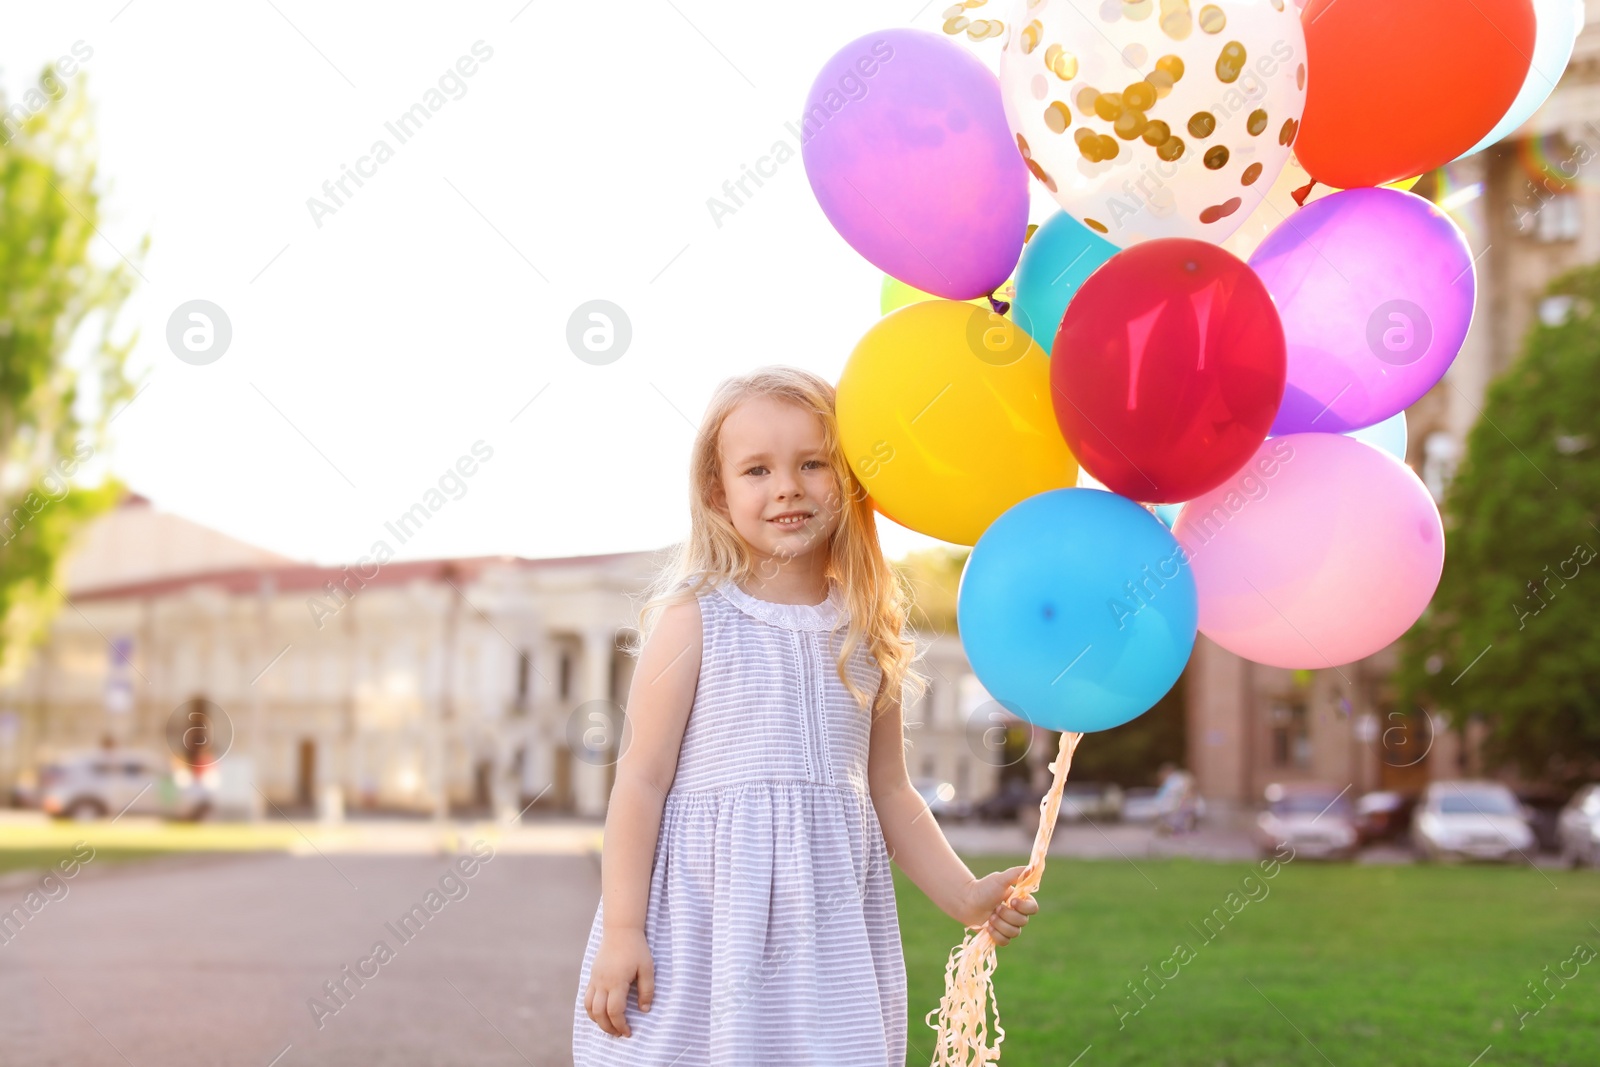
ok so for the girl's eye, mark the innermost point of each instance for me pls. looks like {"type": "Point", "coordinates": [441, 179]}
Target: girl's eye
{"type": "Point", "coordinates": [753, 470]}
{"type": "Point", "coordinates": [818, 462]}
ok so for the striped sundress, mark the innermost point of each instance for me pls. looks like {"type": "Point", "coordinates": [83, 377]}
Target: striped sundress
{"type": "Point", "coordinates": [771, 918]}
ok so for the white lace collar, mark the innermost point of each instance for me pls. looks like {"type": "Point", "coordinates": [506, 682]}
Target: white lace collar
{"type": "Point", "coordinates": [821, 616]}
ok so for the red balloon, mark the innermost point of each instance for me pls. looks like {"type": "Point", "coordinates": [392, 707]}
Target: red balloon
{"type": "Point", "coordinates": [1397, 89]}
{"type": "Point", "coordinates": [1168, 369]}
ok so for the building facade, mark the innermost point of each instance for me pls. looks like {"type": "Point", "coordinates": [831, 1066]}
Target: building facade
{"type": "Point", "coordinates": [492, 683]}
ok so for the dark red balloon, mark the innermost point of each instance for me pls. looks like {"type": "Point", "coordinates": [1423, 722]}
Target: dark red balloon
{"type": "Point", "coordinates": [1168, 369]}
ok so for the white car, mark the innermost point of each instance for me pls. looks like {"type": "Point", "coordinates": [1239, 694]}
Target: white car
{"type": "Point", "coordinates": [1315, 818]}
{"type": "Point", "coordinates": [101, 782]}
{"type": "Point", "coordinates": [1471, 820]}
{"type": "Point", "coordinates": [1579, 828]}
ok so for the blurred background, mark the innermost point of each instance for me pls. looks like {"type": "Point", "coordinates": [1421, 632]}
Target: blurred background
{"type": "Point", "coordinates": [321, 528]}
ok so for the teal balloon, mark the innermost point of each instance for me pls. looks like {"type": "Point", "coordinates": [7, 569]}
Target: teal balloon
{"type": "Point", "coordinates": [1077, 610]}
{"type": "Point", "coordinates": [1057, 259]}
{"type": "Point", "coordinates": [1168, 513]}
{"type": "Point", "coordinates": [1388, 435]}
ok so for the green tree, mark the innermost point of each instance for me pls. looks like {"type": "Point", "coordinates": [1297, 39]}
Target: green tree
{"type": "Point", "coordinates": [1512, 637]}
{"type": "Point", "coordinates": [62, 376]}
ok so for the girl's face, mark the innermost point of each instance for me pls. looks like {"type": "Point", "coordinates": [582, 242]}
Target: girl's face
{"type": "Point", "coordinates": [778, 486]}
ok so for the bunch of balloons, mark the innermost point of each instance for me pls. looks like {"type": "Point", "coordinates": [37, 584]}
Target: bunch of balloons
{"type": "Point", "coordinates": [1250, 387]}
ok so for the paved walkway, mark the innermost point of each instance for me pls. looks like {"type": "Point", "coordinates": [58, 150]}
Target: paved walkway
{"type": "Point", "coordinates": [211, 960]}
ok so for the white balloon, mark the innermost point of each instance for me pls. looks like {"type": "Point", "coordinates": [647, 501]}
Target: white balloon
{"type": "Point", "coordinates": [1557, 24]}
{"type": "Point", "coordinates": [1155, 118]}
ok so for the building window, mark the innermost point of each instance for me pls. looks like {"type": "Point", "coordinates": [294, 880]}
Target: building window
{"type": "Point", "coordinates": [565, 682]}
{"type": "Point", "coordinates": [1291, 735]}
{"type": "Point", "coordinates": [1560, 219]}
{"type": "Point", "coordinates": [524, 666]}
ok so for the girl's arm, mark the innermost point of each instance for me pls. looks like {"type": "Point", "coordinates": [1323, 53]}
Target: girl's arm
{"type": "Point", "coordinates": [659, 701]}
{"type": "Point", "coordinates": [913, 836]}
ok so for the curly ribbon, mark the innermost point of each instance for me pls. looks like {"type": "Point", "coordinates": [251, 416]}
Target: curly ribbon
{"type": "Point", "coordinates": [968, 974]}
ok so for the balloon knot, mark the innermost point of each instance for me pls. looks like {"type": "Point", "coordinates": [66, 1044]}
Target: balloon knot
{"type": "Point", "coordinates": [1304, 191]}
{"type": "Point", "coordinates": [1000, 306]}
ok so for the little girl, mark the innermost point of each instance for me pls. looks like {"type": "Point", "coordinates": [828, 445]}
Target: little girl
{"type": "Point", "coordinates": [762, 787]}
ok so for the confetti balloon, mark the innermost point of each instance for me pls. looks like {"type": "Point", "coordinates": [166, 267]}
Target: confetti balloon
{"type": "Point", "coordinates": [1401, 88]}
{"type": "Point", "coordinates": [1375, 289]}
{"type": "Point", "coordinates": [906, 147]}
{"type": "Point", "coordinates": [1320, 551]}
{"type": "Point", "coordinates": [1155, 118]}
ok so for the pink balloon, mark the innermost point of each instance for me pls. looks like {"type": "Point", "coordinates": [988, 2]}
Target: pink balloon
{"type": "Point", "coordinates": [1320, 551]}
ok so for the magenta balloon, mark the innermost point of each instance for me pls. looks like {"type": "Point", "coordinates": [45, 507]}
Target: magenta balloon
{"type": "Point", "coordinates": [1320, 551]}
{"type": "Point", "coordinates": [906, 145]}
{"type": "Point", "coordinates": [1375, 289]}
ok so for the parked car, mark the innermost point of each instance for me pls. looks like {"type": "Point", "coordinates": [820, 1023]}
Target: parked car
{"type": "Point", "coordinates": [1541, 807]}
{"type": "Point", "coordinates": [101, 782]}
{"type": "Point", "coordinates": [1139, 805]}
{"type": "Point", "coordinates": [1384, 815]}
{"type": "Point", "coordinates": [1314, 818]}
{"type": "Point", "coordinates": [941, 799]}
{"type": "Point", "coordinates": [1098, 801]}
{"type": "Point", "coordinates": [1471, 820]}
{"type": "Point", "coordinates": [1578, 828]}
{"type": "Point", "coordinates": [1004, 804]}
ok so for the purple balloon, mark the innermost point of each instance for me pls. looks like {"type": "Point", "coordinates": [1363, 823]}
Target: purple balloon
{"type": "Point", "coordinates": [1375, 288]}
{"type": "Point", "coordinates": [906, 145]}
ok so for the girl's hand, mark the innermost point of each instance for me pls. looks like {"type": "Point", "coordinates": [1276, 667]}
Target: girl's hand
{"type": "Point", "coordinates": [623, 956]}
{"type": "Point", "coordinates": [985, 905]}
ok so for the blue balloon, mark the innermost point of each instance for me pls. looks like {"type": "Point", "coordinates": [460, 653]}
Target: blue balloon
{"type": "Point", "coordinates": [1057, 259]}
{"type": "Point", "coordinates": [1168, 514]}
{"type": "Point", "coordinates": [1077, 610]}
{"type": "Point", "coordinates": [1388, 435]}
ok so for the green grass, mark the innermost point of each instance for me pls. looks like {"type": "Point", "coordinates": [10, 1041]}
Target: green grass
{"type": "Point", "coordinates": [42, 860]}
{"type": "Point", "coordinates": [1415, 966]}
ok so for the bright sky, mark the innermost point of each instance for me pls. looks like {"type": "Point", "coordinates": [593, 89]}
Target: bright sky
{"type": "Point", "coordinates": [430, 310]}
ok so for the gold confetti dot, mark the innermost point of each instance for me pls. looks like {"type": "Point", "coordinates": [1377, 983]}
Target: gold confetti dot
{"type": "Point", "coordinates": [1137, 10]}
{"type": "Point", "coordinates": [1082, 134]}
{"type": "Point", "coordinates": [1057, 117]}
{"type": "Point", "coordinates": [1202, 124]}
{"type": "Point", "coordinates": [1156, 133]}
{"type": "Point", "coordinates": [1096, 225]}
{"type": "Point", "coordinates": [1176, 21]}
{"type": "Point", "coordinates": [1030, 36]}
{"type": "Point", "coordinates": [1217, 157]}
{"type": "Point", "coordinates": [1061, 62]}
{"type": "Point", "coordinates": [1085, 100]}
{"type": "Point", "coordinates": [956, 25]}
{"type": "Point", "coordinates": [1300, 76]}
{"type": "Point", "coordinates": [1220, 211]}
{"type": "Point", "coordinates": [978, 30]}
{"type": "Point", "coordinates": [1172, 66]}
{"type": "Point", "coordinates": [1231, 62]}
{"type": "Point", "coordinates": [1212, 20]}
{"type": "Point", "coordinates": [1277, 5]}
{"type": "Point", "coordinates": [1171, 150]}
{"type": "Point", "coordinates": [1088, 144]}
{"type": "Point", "coordinates": [1141, 96]}
{"type": "Point", "coordinates": [1108, 106]}
{"type": "Point", "coordinates": [1160, 81]}
{"type": "Point", "coordinates": [952, 12]}
{"type": "Point", "coordinates": [1286, 134]}
{"type": "Point", "coordinates": [1129, 124]}
{"type": "Point", "coordinates": [1256, 122]}
{"type": "Point", "coordinates": [1251, 173]}
{"type": "Point", "coordinates": [1108, 147]}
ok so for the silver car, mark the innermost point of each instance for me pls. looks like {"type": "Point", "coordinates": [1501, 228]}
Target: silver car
{"type": "Point", "coordinates": [93, 784]}
{"type": "Point", "coordinates": [1471, 820]}
{"type": "Point", "coordinates": [1578, 828]}
{"type": "Point", "coordinates": [1315, 818]}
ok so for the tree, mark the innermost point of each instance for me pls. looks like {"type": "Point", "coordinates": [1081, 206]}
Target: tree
{"type": "Point", "coordinates": [1512, 637]}
{"type": "Point", "coordinates": [61, 373]}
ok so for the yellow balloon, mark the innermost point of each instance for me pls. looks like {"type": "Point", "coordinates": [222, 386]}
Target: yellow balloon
{"type": "Point", "coordinates": [945, 417]}
{"type": "Point", "coordinates": [1404, 184]}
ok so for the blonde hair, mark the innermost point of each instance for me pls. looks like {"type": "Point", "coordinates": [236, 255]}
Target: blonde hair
{"type": "Point", "coordinates": [877, 599]}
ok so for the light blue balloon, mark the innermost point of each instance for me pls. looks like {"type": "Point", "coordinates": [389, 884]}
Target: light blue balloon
{"type": "Point", "coordinates": [1077, 610]}
{"type": "Point", "coordinates": [1168, 514]}
{"type": "Point", "coordinates": [1557, 24]}
{"type": "Point", "coordinates": [1057, 259]}
{"type": "Point", "coordinates": [1388, 435]}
